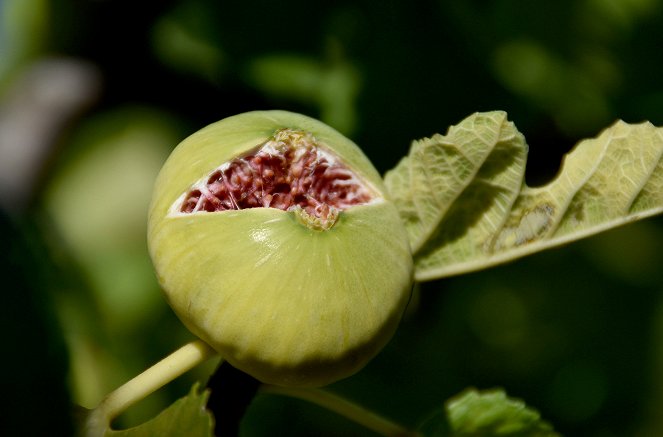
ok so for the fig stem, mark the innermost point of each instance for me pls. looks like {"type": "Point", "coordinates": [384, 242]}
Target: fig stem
{"type": "Point", "coordinates": [343, 407]}
{"type": "Point", "coordinates": [142, 385]}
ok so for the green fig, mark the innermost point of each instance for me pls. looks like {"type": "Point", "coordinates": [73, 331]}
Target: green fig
{"type": "Point", "coordinates": [274, 241]}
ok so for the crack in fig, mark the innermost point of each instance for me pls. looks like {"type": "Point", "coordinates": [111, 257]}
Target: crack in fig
{"type": "Point", "coordinates": [288, 172]}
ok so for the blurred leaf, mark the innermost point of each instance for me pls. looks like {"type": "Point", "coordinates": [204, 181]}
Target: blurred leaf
{"type": "Point", "coordinates": [621, 15]}
{"type": "Point", "coordinates": [486, 413]}
{"type": "Point", "coordinates": [180, 41]}
{"type": "Point", "coordinates": [573, 96]}
{"type": "Point", "coordinates": [23, 26]}
{"type": "Point", "coordinates": [98, 199]}
{"type": "Point", "coordinates": [331, 86]}
{"type": "Point", "coordinates": [188, 416]}
{"type": "Point", "coordinates": [293, 76]}
{"type": "Point", "coordinates": [466, 207]}
{"type": "Point", "coordinates": [99, 202]}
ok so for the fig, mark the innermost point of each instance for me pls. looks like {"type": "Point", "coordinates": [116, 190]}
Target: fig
{"type": "Point", "coordinates": [274, 241]}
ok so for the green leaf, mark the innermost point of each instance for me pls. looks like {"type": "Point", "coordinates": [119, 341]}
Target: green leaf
{"type": "Point", "coordinates": [486, 413]}
{"type": "Point", "coordinates": [468, 214]}
{"type": "Point", "coordinates": [438, 170]}
{"type": "Point", "coordinates": [187, 416]}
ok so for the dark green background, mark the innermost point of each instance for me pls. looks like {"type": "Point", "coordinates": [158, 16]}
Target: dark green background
{"type": "Point", "coordinates": [576, 332]}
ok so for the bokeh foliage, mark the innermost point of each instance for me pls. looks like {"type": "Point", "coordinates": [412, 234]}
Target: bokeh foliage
{"type": "Point", "coordinates": [575, 332]}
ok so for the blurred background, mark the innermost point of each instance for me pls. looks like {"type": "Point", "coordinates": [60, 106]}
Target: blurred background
{"type": "Point", "coordinates": [94, 94]}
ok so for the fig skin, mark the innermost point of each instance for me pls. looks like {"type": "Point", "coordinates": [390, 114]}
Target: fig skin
{"type": "Point", "coordinates": [286, 303]}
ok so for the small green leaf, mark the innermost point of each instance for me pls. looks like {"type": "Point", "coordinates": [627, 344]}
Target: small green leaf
{"type": "Point", "coordinates": [480, 213]}
{"type": "Point", "coordinates": [187, 416]}
{"type": "Point", "coordinates": [484, 414]}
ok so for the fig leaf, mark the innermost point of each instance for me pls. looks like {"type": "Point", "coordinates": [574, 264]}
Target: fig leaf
{"type": "Point", "coordinates": [486, 413]}
{"type": "Point", "coordinates": [465, 211]}
{"type": "Point", "coordinates": [186, 416]}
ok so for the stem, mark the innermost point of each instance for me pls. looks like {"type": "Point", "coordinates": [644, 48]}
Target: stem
{"type": "Point", "coordinates": [343, 407]}
{"type": "Point", "coordinates": [169, 368]}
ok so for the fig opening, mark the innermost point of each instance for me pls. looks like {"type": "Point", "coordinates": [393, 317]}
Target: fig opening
{"type": "Point", "coordinates": [291, 171]}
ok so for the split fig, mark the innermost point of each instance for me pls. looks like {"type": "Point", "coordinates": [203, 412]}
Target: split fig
{"type": "Point", "coordinates": [274, 241]}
